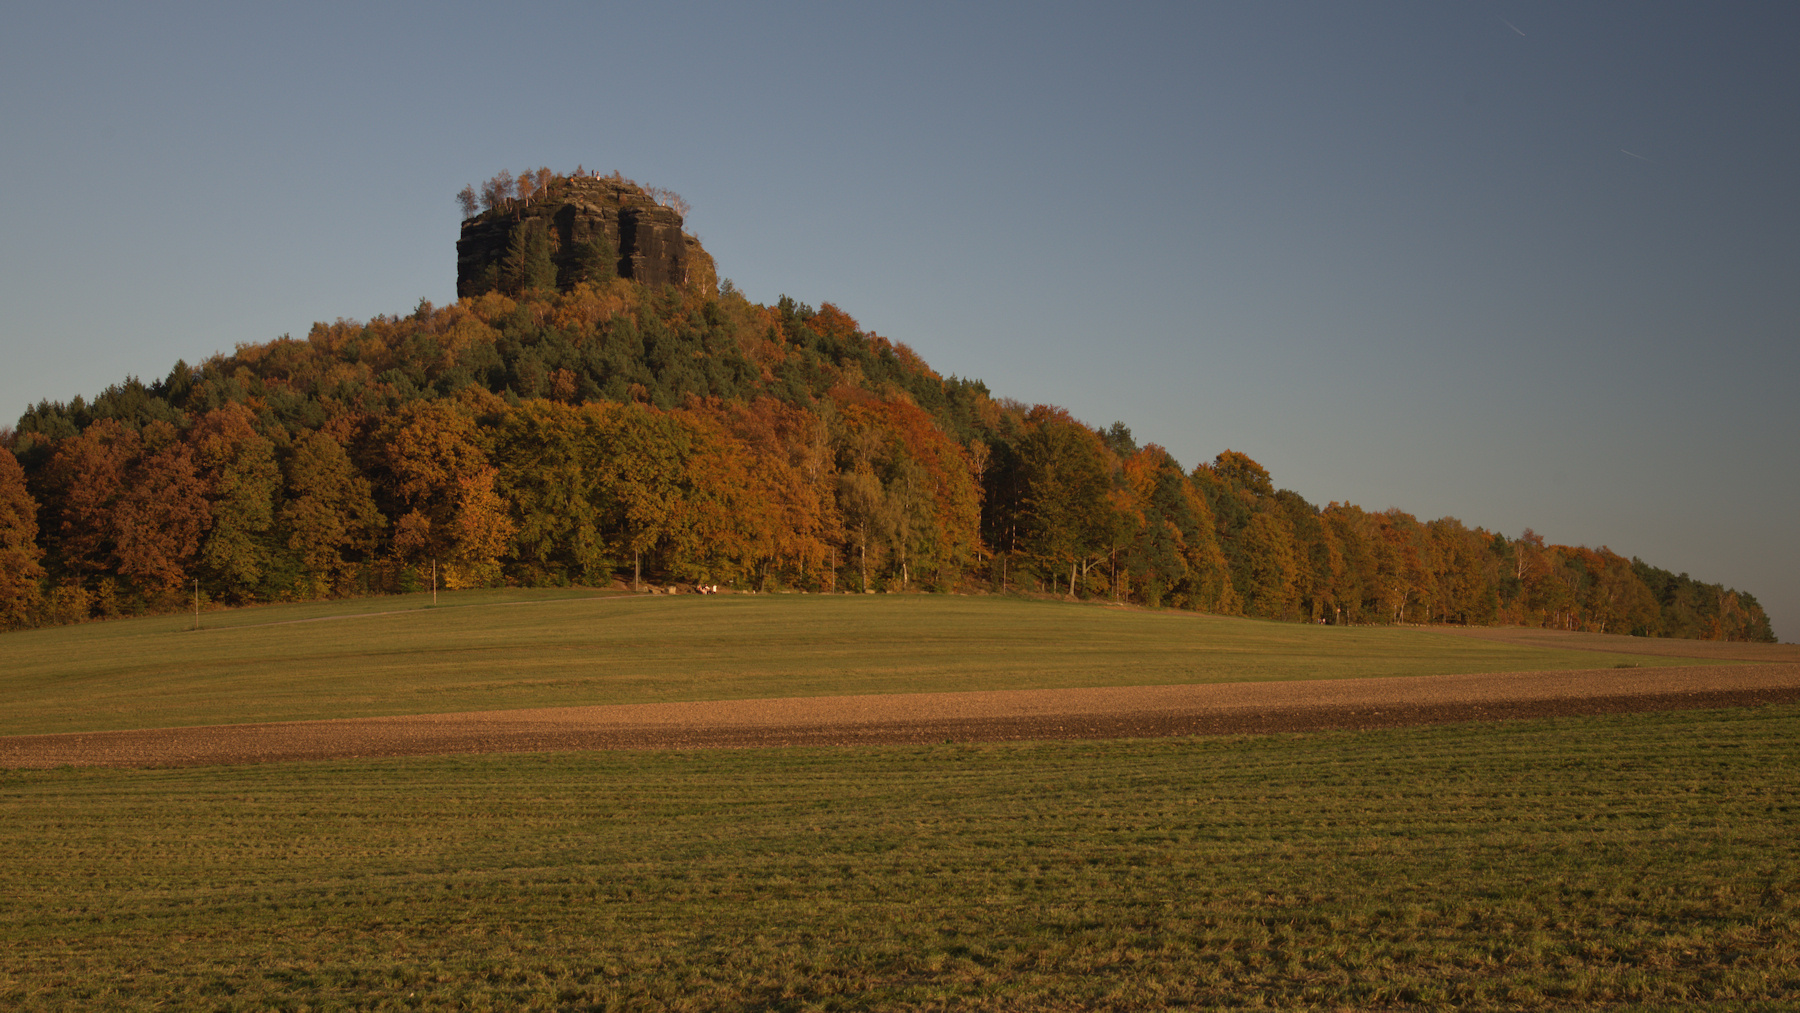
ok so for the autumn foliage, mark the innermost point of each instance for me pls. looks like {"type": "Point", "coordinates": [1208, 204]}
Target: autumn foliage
{"type": "Point", "coordinates": [618, 433]}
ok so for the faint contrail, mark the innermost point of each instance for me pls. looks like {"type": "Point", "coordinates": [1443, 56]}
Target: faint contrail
{"type": "Point", "coordinates": [1634, 154]}
{"type": "Point", "coordinates": [1512, 26]}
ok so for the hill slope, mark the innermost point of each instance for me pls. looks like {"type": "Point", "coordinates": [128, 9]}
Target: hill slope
{"type": "Point", "coordinates": [589, 427]}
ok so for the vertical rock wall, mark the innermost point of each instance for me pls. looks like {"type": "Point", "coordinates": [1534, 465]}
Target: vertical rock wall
{"type": "Point", "coordinates": [645, 237]}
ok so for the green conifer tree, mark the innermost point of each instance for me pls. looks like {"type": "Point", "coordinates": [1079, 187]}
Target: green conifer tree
{"type": "Point", "coordinates": [528, 262]}
{"type": "Point", "coordinates": [595, 260]}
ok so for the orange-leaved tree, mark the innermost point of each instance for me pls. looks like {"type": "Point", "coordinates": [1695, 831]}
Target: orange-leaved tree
{"type": "Point", "coordinates": [163, 514]}
{"type": "Point", "coordinates": [430, 465]}
{"type": "Point", "coordinates": [21, 573]}
{"type": "Point", "coordinates": [83, 484]}
{"type": "Point", "coordinates": [764, 472]}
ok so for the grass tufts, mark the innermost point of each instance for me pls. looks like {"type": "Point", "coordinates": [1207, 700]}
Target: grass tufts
{"type": "Point", "coordinates": [1635, 861]}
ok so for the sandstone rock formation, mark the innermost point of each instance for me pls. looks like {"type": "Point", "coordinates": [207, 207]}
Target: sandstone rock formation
{"type": "Point", "coordinates": [585, 219]}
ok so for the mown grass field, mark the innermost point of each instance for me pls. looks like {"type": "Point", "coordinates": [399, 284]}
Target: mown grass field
{"type": "Point", "coordinates": [1635, 862]}
{"type": "Point", "coordinates": [496, 650]}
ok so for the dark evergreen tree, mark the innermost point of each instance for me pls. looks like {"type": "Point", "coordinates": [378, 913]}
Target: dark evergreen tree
{"type": "Point", "coordinates": [594, 260]}
{"type": "Point", "coordinates": [529, 265]}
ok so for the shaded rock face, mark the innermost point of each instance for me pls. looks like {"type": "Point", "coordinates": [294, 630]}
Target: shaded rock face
{"type": "Point", "coordinates": [580, 216]}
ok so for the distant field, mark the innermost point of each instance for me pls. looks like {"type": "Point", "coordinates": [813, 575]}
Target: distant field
{"type": "Point", "coordinates": [491, 650]}
{"type": "Point", "coordinates": [1715, 650]}
{"type": "Point", "coordinates": [1642, 861]}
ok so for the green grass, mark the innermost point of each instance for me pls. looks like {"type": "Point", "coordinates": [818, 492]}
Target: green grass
{"type": "Point", "coordinates": [1640, 861]}
{"type": "Point", "coordinates": [512, 649]}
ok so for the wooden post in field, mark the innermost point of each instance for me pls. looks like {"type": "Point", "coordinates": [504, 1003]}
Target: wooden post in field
{"type": "Point", "coordinates": [196, 604]}
{"type": "Point", "coordinates": [434, 582]}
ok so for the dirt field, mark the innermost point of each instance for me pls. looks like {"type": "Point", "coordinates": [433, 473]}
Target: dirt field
{"type": "Point", "coordinates": [1234, 708]}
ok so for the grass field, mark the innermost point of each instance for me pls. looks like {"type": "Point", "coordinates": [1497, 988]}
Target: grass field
{"type": "Point", "coordinates": [511, 649]}
{"type": "Point", "coordinates": [1642, 862]}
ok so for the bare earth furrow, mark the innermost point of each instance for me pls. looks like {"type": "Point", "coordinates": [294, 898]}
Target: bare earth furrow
{"type": "Point", "coordinates": [1216, 709]}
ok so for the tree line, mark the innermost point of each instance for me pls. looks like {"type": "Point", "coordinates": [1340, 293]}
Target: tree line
{"type": "Point", "coordinates": [499, 191]}
{"type": "Point", "coordinates": [614, 432]}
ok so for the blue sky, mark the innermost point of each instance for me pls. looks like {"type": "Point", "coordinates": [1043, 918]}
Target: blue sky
{"type": "Point", "coordinates": [1524, 264]}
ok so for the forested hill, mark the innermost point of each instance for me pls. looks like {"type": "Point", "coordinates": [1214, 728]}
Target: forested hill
{"type": "Point", "coordinates": [618, 429]}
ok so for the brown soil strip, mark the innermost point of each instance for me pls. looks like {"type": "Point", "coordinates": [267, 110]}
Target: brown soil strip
{"type": "Point", "coordinates": [1139, 711]}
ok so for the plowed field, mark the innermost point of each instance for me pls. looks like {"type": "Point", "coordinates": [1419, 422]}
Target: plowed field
{"type": "Point", "coordinates": [1113, 712]}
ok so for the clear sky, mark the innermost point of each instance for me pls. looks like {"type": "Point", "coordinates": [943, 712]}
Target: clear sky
{"type": "Point", "coordinates": [1523, 264]}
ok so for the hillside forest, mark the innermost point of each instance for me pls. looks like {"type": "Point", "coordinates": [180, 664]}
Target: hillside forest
{"type": "Point", "coordinates": [613, 431]}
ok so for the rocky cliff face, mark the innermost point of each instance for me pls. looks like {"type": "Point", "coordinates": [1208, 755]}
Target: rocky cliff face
{"type": "Point", "coordinates": [594, 227]}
